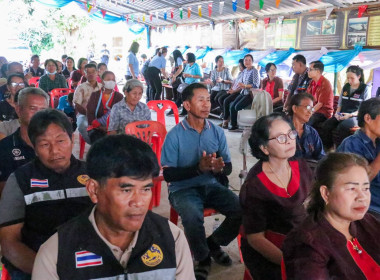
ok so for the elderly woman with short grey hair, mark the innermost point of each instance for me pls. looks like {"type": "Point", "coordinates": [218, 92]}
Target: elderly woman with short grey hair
{"type": "Point", "coordinates": [130, 109]}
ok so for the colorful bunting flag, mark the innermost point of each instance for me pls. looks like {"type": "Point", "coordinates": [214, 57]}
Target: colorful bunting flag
{"type": "Point", "coordinates": [234, 5]}
{"type": "Point", "coordinates": [89, 7]}
{"type": "Point", "coordinates": [103, 13]}
{"type": "Point", "coordinates": [209, 9]}
{"type": "Point", "coordinates": [328, 12]}
{"type": "Point", "coordinates": [156, 15]}
{"type": "Point", "coordinates": [127, 18]}
{"type": "Point", "coordinates": [280, 19]}
{"type": "Point", "coordinates": [362, 9]}
{"type": "Point", "coordinates": [200, 10]}
{"type": "Point", "coordinates": [247, 2]}
{"type": "Point", "coordinates": [181, 13]}
{"type": "Point", "coordinates": [278, 3]}
{"type": "Point", "coordinates": [266, 22]}
{"type": "Point", "coordinates": [221, 6]}
{"type": "Point", "coordinates": [171, 13]}
{"type": "Point", "coordinates": [143, 17]}
{"type": "Point", "coordinates": [165, 15]}
{"type": "Point", "coordinates": [151, 17]}
{"type": "Point", "coordinates": [188, 12]}
{"type": "Point", "coordinates": [261, 3]}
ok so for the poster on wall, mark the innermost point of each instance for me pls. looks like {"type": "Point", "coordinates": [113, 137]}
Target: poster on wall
{"type": "Point", "coordinates": [286, 34]}
{"type": "Point", "coordinates": [251, 34]}
{"type": "Point", "coordinates": [317, 32]}
{"type": "Point", "coordinates": [357, 31]}
{"type": "Point", "coordinates": [374, 31]}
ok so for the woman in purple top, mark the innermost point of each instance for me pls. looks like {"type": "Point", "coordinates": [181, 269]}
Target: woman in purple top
{"type": "Point", "coordinates": [338, 240]}
{"type": "Point", "coordinates": [272, 196]}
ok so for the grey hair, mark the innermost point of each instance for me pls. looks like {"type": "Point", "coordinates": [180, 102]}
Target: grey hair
{"type": "Point", "coordinates": [131, 84]}
{"type": "Point", "coordinates": [24, 93]}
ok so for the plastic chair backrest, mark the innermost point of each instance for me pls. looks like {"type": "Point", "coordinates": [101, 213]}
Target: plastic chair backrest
{"type": "Point", "coordinates": [145, 130]}
{"type": "Point", "coordinates": [57, 93]}
{"type": "Point", "coordinates": [160, 106]}
{"type": "Point", "coordinates": [34, 81]}
{"type": "Point", "coordinates": [69, 82]}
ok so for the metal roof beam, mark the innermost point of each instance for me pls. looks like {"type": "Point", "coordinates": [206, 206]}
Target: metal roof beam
{"type": "Point", "coordinates": [335, 3]}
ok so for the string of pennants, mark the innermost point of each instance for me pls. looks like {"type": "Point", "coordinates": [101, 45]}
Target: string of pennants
{"type": "Point", "coordinates": [93, 3]}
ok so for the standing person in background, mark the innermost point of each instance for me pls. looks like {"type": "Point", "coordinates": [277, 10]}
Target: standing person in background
{"type": "Point", "coordinates": [64, 58]}
{"type": "Point", "coordinates": [250, 79]}
{"type": "Point", "coordinates": [353, 94]}
{"type": "Point", "coordinates": [76, 76]}
{"type": "Point", "coordinates": [177, 77]}
{"type": "Point", "coordinates": [51, 79]}
{"type": "Point", "coordinates": [273, 85]}
{"type": "Point", "coordinates": [35, 70]}
{"type": "Point", "coordinates": [300, 80]}
{"type": "Point", "coordinates": [132, 62]}
{"type": "Point", "coordinates": [323, 95]}
{"type": "Point", "coordinates": [221, 80]}
{"type": "Point", "coordinates": [105, 55]}
{"type": "Point", "coordinates": [156, 66]}
{"type": "Point", "coordinates": [69, 67]}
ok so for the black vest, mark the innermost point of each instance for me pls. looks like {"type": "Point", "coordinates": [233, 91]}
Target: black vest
{"type": "Point", "coordinates": [51, 199]}
{"type": "Point", "coordinates": [82, 254]}
{"type": "Point", "coordinates": [352, 101]}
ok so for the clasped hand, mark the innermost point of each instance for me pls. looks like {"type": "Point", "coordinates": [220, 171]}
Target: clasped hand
{"type": "Point", "coordinates": [211, 163]}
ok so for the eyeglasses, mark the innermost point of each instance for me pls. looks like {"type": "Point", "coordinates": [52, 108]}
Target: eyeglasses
{"type": "Point", "coordinates": [312, 69]}
{"type": "Point", "coordinates": [283, 137]}
{"type": "Point", "coordinates": [17, 84]}
{"type": "Point", "coordinates": [308, 107]}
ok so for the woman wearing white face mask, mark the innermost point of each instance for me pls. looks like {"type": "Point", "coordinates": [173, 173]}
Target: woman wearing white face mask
{"type": "Point", "coordinates": [99, 106]}
{"type": "Point", "coordinates": [51, 80]}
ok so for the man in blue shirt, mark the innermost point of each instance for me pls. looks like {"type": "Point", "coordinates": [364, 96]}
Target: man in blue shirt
{"type": "Point", "coordinates": [366, 143]}
{"type": "Point", "coordinates": [194, 156]}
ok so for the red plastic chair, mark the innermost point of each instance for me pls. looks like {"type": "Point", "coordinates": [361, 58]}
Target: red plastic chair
{"type": "Point", "coordinates": [160, 106]}
{"type": "Point", "coordinates": [69, 82]}
{"type": "Point", "coordinates": [34, 81]}
{"type": "Point", "coordinates": [4, 274]}
{"type": "Point", "coordinates": [206, 213]}
{"type": "Point", "coordinates": [152, 133]}
{"type": "Point", "coordinates": [57, 93]}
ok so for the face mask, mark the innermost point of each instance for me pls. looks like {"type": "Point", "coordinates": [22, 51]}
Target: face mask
{"type": "Point", "coordinates": [52, 73]}
{"type": "Point", "coordinates": [109, 84]}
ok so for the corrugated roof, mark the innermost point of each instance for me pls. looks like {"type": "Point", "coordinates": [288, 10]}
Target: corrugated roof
{"type": "Point", "coordinates": [142, 9]}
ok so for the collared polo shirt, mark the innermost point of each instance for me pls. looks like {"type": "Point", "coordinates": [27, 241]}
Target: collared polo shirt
{"type": "Point", "coordinates": [194, 70]}
{"type": "Point", "coordinates": [183, 147]}
{"type": "Point", "coordinates": [315, 85]}
{"type": "Point", "coordinates": [121, 115]}
{"type": "Point", "coordinates": [309, 146]}
{"type": "Point", "coordinates": [158, 61]}
{"type": "Point", "coordinates": [14, 152]}
{"type": "Point", "coordinates": [132, 59]}
{"type": "Point", "coordinates": [361, 144]}
{"type": "Point", "coordinates": [83, 92]}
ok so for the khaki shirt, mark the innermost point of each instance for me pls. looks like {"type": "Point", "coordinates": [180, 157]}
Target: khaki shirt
{"type": "Point", "coordinates": [83, 92]}
{"type": "Point", "coordinates": [45, 264]}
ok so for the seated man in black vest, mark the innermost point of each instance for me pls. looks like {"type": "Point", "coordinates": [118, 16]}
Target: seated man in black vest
{"type": "Point", "coordinates": [119, 238]}
{"type": "Point", "coordinates": [42, 194]}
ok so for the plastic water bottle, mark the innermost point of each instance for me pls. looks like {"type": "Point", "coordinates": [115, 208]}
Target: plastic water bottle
{"type": "Point", "coordinates": [216, 224]}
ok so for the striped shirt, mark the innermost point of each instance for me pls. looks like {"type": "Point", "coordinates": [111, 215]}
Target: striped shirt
{"type": "Point", "coordinates": [224, 75]}
{"type": "Point", "coordinates": [250, 77]}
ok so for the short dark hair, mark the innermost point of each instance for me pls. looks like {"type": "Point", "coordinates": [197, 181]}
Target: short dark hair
{"type": "Point", "coordinates": [190, 57]}
{"type": "Point", "coordinates": [80, 61]}
{"type": "Point", "coordinates": [318, 65]}
{"type": "Point", "coordinates": [297, 99]}
{"type": "Point", "coordinates": [241, 62]}
{"type": "Point", "coordinates": [260, 134]}
{"type": "Point", "coordinates": [268, 66]}
{"type": "Point", "coordinates": [249, 55]}
{"type": "Point", "coordinates": [300, 58]}
{"type": "Point", "coordinates": [144, 56]}
{"type": "Point", "coordinates": [134, 47]}
{"type": "Point", "coordinates": [34, 56]}
{"type": "Point", "coordinates": [188, 92]}
{"type": "Point", "coordinates": [64, 56]}
{"type": "Point", "coordinates": [51, 60]}
{"type": "Point", "coordinates": [42, 119]}
{"type": "Point", "coordinates": [4, 69]}
{"type": "Point", "coordinates": [357, 71]}
{"type": "Point", "coordinates": [217, 58]}
{"type": "Point", "coordinates": [121, 155]}
{"type": "Point", "coordinates": [100, 65]}
{"type": "Point", "coordinates": [371, 107]}
{"type": "Point", "coordinates": [327, 170]}
{"type": "Point", "coordinates": [18, 75]}
{"type": "Point", "coordinates": [106, 73]}
{"type": "Point", "coordinates": [89, 65]}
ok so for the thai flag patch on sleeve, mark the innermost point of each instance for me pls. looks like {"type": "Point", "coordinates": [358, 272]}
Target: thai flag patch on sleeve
{"type": "Point", "coordinates": [87, 259]}
{"type": "Point", "coordinates": [36, 183]}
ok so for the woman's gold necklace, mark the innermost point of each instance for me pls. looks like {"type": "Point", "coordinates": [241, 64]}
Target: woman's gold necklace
{"type": "Point", "coordinates": [284, 186]}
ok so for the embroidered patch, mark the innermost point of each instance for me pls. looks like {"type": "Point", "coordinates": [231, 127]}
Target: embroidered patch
{"type": "Point", "coordinates": [356, 96]}
{"type": "Point", "coordinates": [83, 179]}
{"type": "Point", "coordinates": [153, 256]}
{"type": "Point", "coordinates": [87, 259]}
{"type": "Point", "coordinates": [16, 152]}
{"type": "Point", "coordinates": [345, 93]}
{"type": "Point", "coordinates": [37, 183]}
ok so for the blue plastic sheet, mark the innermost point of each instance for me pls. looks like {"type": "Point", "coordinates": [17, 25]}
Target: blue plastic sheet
{"type": "Point", "coordinates": [338, 60]}
{"type": "Point", "coordinates": [276, 57]}
{"type": "Point", "coordinates": [232, 57]}
{"type": "Point", "coordinates": [201, 53]}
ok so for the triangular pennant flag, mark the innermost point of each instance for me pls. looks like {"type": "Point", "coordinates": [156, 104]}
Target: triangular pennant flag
{"type": "Point", "coordinates": [247, 2]}
{"type": "Point", "coordinates": [234, 5]}
{"type": "Point", "coordinates": [151, 17]}
{"type": "Point", "coordinates": [328, 12]}
{"type": "Point", "coordinates": [196, 26]}
{"type": "Point", "coordinates": [221, 6]}
{"type": "Point", "coordinates": [143, 18]}
{"type": "Point", "coordinates": [188, 12]}
{"type": "Point", "coordinates": [88, 5]}
{"type": "Point", "coordinates": [133, 17]}
{"type": "Point", "coordinates": [89, 8]}
{"type": "Point", "coordinates": [254, 23]}
{"type": "Point", "coordinates": [165, 15]}
{"type": "Point", "coordinates": [209, 9]}
{"type": "Point", "coordinates": [157, 15]}
{"type": "Point", "coordinates": [362, 9]}
{"type": "Point", "coordinates": [127, 17]}
{"type": "Point", "coordinates": [278, 3]}
{"type": "Point", "coordinates": [261, 3]}
{"type": "Point", "coordinates": [280, 19]}
{"type": "Point", "coordinates": [200, 10]}
{"type": "Point", "coordinates": [361, 57]}
{"type": "Point", "coordinates": [171, 13]}
{"type": "Point", "coordinates": [103, 13]}
{"type": "Point", "coordinates": [181, 13]}
{"type": "Point", "coordinates": [175, 27]}
{"type": "Point", "coordinates": [266, 22]}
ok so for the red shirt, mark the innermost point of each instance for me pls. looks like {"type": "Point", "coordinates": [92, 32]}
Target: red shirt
{"type": "Point", "coordinates": [270, 88]}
